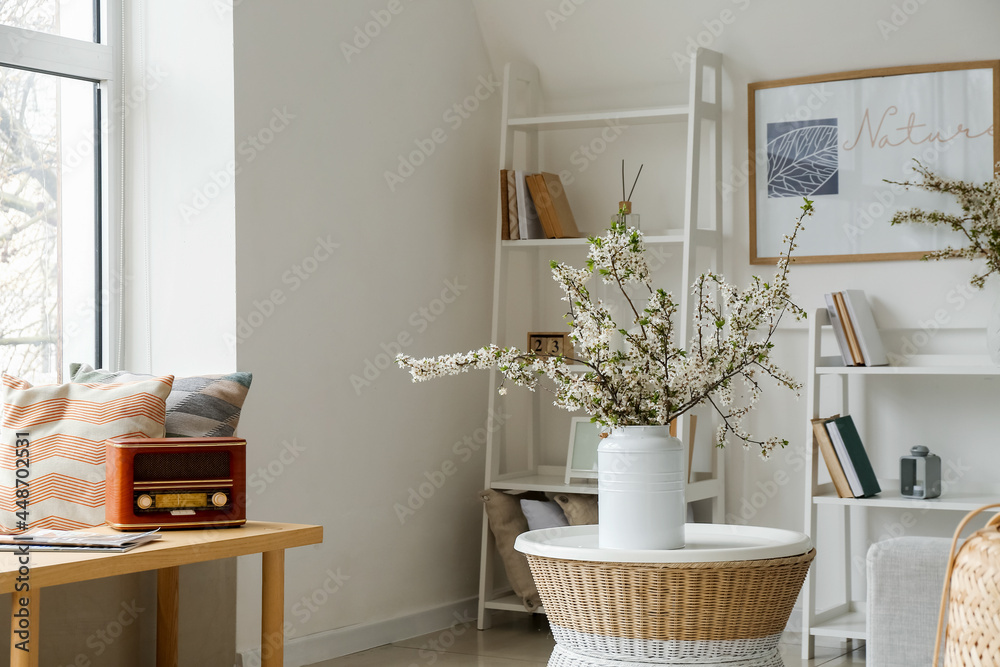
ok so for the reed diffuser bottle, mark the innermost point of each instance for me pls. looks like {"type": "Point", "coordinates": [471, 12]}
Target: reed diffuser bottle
{"type": "Point", "coordinates": [625, 214]}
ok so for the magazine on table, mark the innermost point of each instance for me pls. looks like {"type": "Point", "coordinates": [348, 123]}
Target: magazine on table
{"type": "Point", "coordinates": [39, 539]}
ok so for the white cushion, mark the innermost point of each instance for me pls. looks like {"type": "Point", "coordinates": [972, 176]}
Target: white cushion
{"type": "Point", "coordinates": [543, 514]}
{"type": "Point", "coordinates": [65, 427]}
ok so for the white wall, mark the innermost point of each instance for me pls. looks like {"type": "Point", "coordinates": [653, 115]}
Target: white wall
{"type": "Point", "coordinates": [316, 131]}
{"type": "Point", "coordinates": [334, 269]}
{"type": "Point", "coordinates": [179, 297]}
{"type": "Point", "coordinates": [602, 54]}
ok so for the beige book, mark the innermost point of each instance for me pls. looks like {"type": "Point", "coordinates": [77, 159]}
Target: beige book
{"type": "Point", "coordinates": [845, 321]}
{"type": "Point", "coordinates": [543, 203]}
{"type": "Point", "coordinates": [830, 456]}
{"type": "Point", "coordinates": [564, 224]}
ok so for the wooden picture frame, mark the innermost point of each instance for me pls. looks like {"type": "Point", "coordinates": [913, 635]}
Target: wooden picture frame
{"type": "Point", "coordinates": [837, 138]}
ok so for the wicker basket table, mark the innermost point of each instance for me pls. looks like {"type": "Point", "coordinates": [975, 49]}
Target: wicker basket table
{"type": "Point", "coordinates": [723, 599]}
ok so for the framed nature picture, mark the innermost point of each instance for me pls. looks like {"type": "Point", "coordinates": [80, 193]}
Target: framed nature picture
{"type": "Point", "coordinates": [581, 458]}
{"type": "Point", "coordinates": [837, 138]}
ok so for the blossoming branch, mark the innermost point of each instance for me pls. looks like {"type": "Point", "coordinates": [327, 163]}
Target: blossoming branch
{"type": "Point", "coordinates": [979, 222]}
{"type": "Point", "coordinates": [637, 374]}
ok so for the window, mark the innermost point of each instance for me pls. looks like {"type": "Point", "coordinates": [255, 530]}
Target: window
{"type": "Point", "coordinates": [51, 192]}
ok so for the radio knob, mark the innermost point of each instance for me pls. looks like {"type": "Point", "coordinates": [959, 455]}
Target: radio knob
{"type": "Point", "coordinates": [144, 502]}
{"type": "Point", "coordinates": [219, 499]}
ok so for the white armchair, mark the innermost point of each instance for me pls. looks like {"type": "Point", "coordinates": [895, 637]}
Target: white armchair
{"type": "Point", "coordinates": [905, 578]}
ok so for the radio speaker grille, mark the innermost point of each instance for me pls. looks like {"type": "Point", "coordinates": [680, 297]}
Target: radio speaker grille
{"type": "Point", "coordinates": [162, 467]}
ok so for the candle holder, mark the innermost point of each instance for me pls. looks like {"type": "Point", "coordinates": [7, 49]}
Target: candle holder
{"type": "Point", "coordinates": [920, 474]}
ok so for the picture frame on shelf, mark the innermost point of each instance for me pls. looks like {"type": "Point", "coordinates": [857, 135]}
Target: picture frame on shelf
{"type": "Point", "coordinates": [837, 138]}
{"type": "Point", "coordinates": [581, 455]}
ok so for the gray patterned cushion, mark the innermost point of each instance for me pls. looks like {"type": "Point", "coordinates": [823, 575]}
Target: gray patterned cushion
{"type": "Point", "coordinates": [199, 406]}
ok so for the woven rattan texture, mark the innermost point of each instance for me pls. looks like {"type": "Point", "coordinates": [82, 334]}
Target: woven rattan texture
{"type": "Point", "coordinates": [973, 634]}
{"type": "Point", "coordinates": [671, 601]}
{"type": "Point", "coordinates": [563, 657]}
{"type": "Point", "coordinates": [667, 652]}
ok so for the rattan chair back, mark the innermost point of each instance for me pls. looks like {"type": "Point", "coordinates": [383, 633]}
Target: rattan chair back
{"type": "Point", "coordinates": [970, 600]}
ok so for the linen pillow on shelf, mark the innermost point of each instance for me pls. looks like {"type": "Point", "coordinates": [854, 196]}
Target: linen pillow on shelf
{"type": "Point", "coordinates": [65, 426]}
{"type": "Point", "coordinates": [199, 406]}
{"type": "Point", "coordinates": [580, 508]}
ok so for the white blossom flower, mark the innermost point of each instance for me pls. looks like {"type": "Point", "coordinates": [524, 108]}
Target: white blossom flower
{"type": "Point", "coordinates": [979, 221]}
{"type": "Point", "coordinates": [635, 373]}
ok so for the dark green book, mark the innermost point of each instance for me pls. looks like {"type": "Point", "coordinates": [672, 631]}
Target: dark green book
{"type": "Point", "coordinates": [844, 427]}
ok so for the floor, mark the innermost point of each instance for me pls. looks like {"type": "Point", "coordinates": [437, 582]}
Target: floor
{"type": "Point", "coordinates": [520, 640]}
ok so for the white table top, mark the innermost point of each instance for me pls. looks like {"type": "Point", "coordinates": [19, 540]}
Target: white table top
{"type": "Point", "coordinates": [705, 543]}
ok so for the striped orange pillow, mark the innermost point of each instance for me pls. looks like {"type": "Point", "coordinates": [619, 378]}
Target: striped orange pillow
{"type": "Point", "coordinates": [65, 427]}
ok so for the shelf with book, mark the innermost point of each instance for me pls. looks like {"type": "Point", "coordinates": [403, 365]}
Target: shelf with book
{"type": "Point", "coordinates": [922, 364]}
{"type": "Point", "coordinates": [677, 237]}
{"type": "Point", "coordinates": [964, 500]}
{"type": "Point", "coordinates": [847, 619]}
{"type": "Point", "coordinates": [700, 237]}
{"type": "Point", "coordinates": [854, 329]}
{"type": "Point", "coordinates": [521, 455]}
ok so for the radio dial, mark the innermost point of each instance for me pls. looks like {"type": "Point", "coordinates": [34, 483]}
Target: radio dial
{"type": "Point", "coordinates": [219, 499]}
{"type": "Point", "coordinates": [144, 501]}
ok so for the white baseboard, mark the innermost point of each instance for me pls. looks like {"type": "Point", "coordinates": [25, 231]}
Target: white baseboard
{"type": "Point", "coordinates": [308, 650]}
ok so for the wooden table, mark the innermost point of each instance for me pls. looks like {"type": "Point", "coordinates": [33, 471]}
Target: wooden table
{"type": "Point", "coordinates": [175, 548]}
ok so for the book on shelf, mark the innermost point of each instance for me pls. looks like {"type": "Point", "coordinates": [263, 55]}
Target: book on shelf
{"type": "Point", "coordinates": [540, 198]}
{"type": "Point", "coordinates": [504, 207]}
{"type": "Point", "coordinates": [838, 330]}
{"type": "Point", "coordinates": [852, 456]}
{"type": "Point", "coordinates": [822, 438]}
{"type": "Point", "coordinates": [557, 205]}
{"type": "Point", "coordinates": [530, 226]}
{"type": "Point", "coordinates": [853, 346]}
{"type": "Point", "coordinates": [865, 328]}
{"type": "Point", "coordinates": [513, 223]}
{"type": "Point", "coordinates": [534, 206]}
{"type": "Point", "coordinates": [855, 329]}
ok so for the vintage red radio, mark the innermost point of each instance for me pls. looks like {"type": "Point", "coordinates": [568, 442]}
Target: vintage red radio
{"type": "Point", "coordinates": [175, 483]}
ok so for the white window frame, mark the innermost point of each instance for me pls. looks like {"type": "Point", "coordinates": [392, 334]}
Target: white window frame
{"type": "Point", "coordinates": [100, 63]}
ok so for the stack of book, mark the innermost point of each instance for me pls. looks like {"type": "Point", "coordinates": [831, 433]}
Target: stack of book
{"type": "Point", "coordinates": [845, 457]}
{"type": "Point", "coordinates": [855, 329]}
{"type": "Point", "coordinates": [534, 206]}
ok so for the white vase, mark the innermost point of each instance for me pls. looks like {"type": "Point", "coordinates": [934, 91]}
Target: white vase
{"type": "Point", "coordinates": [640, 487]}
{"type": "Point", "coordinates": [993, 333]}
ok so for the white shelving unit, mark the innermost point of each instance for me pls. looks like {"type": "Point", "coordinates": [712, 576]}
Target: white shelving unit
{"type": "Point", "coordinates": [846, 620]}
{"type": "Point", "coordinates": [522, 120]}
